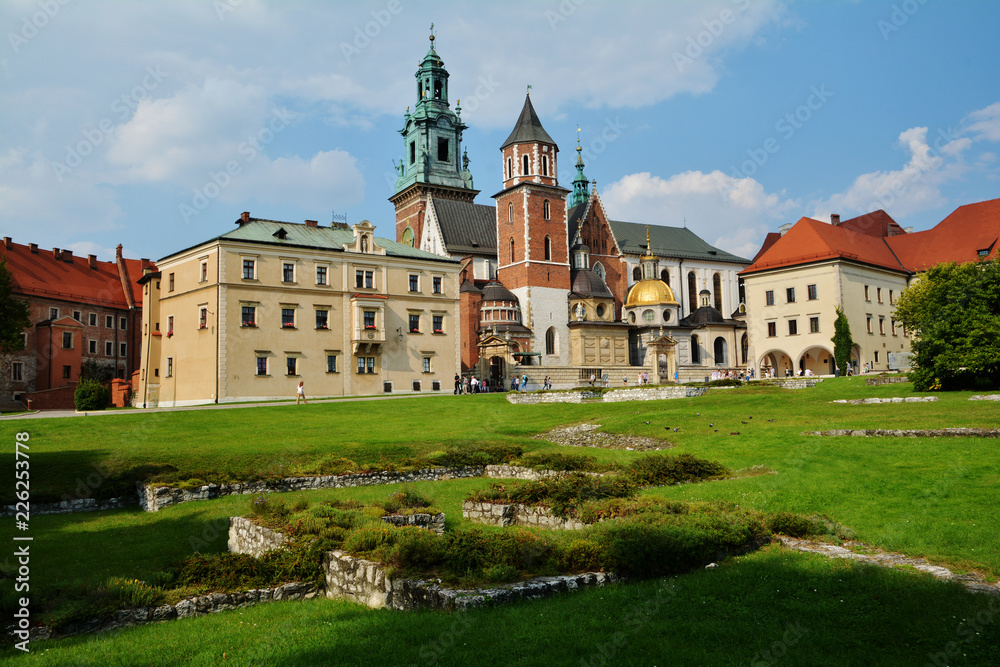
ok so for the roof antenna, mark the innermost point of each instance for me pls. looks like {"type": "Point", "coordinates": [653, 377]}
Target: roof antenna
{"type": "Point", "coordinates": [685, 222]}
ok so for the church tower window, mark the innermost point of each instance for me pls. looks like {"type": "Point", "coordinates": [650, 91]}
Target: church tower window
{"type": "Point", "coordinates": [510, 168]}
{"type": "Point", "coordinates": [548, 247]}
{"type": "Point", "coordinates": [524, 165]}
{"type": "Point", "coordinates": [443, 149]}
{"type": "Point", "coordinates": [545, 167]}
{"type": "Point", "coordinates": [512, 251]}
{"type": "Point", "coordinates": [510, 212]}
{"type": "Point", "coordinates": [546, 210]}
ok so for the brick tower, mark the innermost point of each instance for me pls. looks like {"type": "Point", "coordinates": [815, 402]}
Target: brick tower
{"type": "Point", "coordinates": [532, 238]}
{"type": "Point", "coordinates": [434, 164]}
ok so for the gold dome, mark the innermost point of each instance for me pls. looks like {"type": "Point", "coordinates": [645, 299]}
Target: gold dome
{"type": "Point", "coordinates": [650, 293]}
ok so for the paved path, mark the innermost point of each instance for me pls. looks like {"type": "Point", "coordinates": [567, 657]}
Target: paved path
{"type": "Point", "coordinates": [50, 414]}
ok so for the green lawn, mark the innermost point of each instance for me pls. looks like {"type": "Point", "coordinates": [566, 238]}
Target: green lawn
{"type": "Point", "coordinates": [934, 497]}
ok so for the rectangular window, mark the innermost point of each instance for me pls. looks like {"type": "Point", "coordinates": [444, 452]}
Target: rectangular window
{"type": "Point", "coordinates": [439, 324]}
{"type": "Point", "coordinates": [67, 372]}
{"type": "Point", "coordinates": [442, 149]}
{"type": "Point", "coordinates": [203, 318]}
{"type": "Point", "coordinates": [414, 323]}
{"type": "Point", "coordinates": [414, 283]}
{"type": "Point", "coordinates": [413, 152]}
{"type": "Point", "coordinates": [369, 280]}
{"type": "Point", "coordinates": [67, 340]}
{"type": "Point", "coordinates": [249, 268]}
{"type": "Point", "coordinates": [772, 329]}
{"type": "Point", "coordinates": [170, 282]}
{"type": "Point", "coordinates": [790, 295]}
{"type": "Point", "coordinates": [92, 346]}
{"type": "Point", "coordinates": [811, 289]}
{"type": "Point", "coordinates": [361, 365]}
{"type": "Point", "coordinates": [878, 294]}
{"type": "Point", "coordinates": [881, 325]}
{"type": "Point", "coordinates": [371, 364]}
{"type": "Point", "coordinates": [369, 319]}
{"type": "Point", "coordinates": [288, 272]}
{"type": "Point", "coordinates": [359, 279]}
{"type": "Point", "coordinates": [109, 348]}
{"type": "Point", "coordinates": [867, 295]}
{"type": "Point", "coordinates": [17, 371]}
{"type": "Point", "coordinates": [322, 319]}
{"type": "Point", "coordinates": [793, 327]}
{"type": "Point", "coordinates": [437, 284]}
{"type": "Point", "coordinates": [892, 325]}
{"type": "Point", "coordinates": [261, 365]}
{"type": "Point", "coordinates": [123, 350]}
{"type": "Point", "coordinates": [427, 364]}
{"type": "Point", "coordinates": [109, 322]}
{"type": "Point", "coordinates": [93, 319]}
{"type": "Point", "coordinates": [170, 325]}
{"type": "Point", "coordinates": [249, 316]}
{"type": "Point", "coordinates": [123, 323]}
{"type": "Point", "coordinates": [868, 323]}
{"type": "Point", "coordinates": [320, 275]}
{"type": "Point", "coordinates": [416, 385]}
{"type": "Point", "coordinates": [53, 313]}
{"type": "Point", "coordinates": [288, 317]}
{"type": "Point", "coordinates": [813, 325]}
{"type": "Point", "coordinates": [290, 362]}
{"type": "Point", "coordinates": [891, 300]}
{"type": "Point", "coordinates": [203, 276]}
{"type": "Point", "coordinates": [436, 385]}
{"type": "Point", "coordinates": [170, 366]}
{"type": "Point", "coordinates": [77, 316]}
{"type": "Point", "coordinates": [876, 357]}
{"type": "Point", "coordinates": [769, 297]}
{"type": "Point", "coordinates": [331, 363]}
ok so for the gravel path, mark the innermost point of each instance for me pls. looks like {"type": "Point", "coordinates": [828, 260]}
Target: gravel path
{"type": "Point", "coordinates": [587, 435]}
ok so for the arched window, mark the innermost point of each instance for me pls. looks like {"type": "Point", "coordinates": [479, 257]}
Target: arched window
{"type": "Point", "coordinates": [510, 213]}
{"type": "Point", "coordinates": [665, 276]}
{"type": "Point", "coordinates": [524, 165]}
{"type": "Point", "coordinates": [546, 211]}
{"type": "Point", "coordinates": [599, 270]}
{"type": "Point", "coordinates": [717, 288]}
{"type": "Point", "coordinates": [695, 351]}
{"type": "Point", "coordinates": [637, 274]}
{"type": "Point", "coordinates": [512, 251]}
{"type": "Point", "coordinates": [692, 292]}
{"type": "Point", "coordinates": [745, 348]}
{"type": "Point", "coordinates": [510, 168]}
{"type": "Point", "coordinates": [545, 165]}
{"type": "Point", "coordinates": [550, 341]}
{"type": "Point", "coordinates": [548, 247]}
{"type": "Point", "coordinates": [437, 89]}
{"type": "Point", "coordinates": [720, 352]}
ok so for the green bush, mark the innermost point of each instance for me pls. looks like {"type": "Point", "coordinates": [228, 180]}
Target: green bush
{"type": "Point", "coordinates": [561, 494]}
{"type": "Point", "coordinates": [557, 461]}
{"type": "Point", "coordinates": [131, 593]}
{"type": "Point", "coordinates": [268, 508]}
{"type": "Point", "coordinates": [91, 395]}
{"type": "Point", "coordinates": [664, 469]}
{"type": "Point", "coordinates": [478, 456]}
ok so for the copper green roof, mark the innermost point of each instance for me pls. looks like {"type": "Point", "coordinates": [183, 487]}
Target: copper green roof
{"type": "Point", "coordinates": [298, 235]}
{"type": "Point", "coordinates": [528, 128]}
{"type": "Point", "coordinates": [677, 242]}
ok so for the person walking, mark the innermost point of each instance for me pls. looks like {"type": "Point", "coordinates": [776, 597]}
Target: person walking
{"type": "Point", "coordinates": [474, 385]}
{"type": "Point", "coordinates": [458, 384]}
{"type": "Point", "coordinates": [592, 378]}
{"type": "Point", "coordinates": [300, 393]}
{"type": "Point", "coordinates": [524, 382]}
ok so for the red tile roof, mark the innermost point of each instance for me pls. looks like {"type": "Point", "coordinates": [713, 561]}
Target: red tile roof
{"type": "Point", "coordinates": [42, 274]}
{"type": "Point", "coordinates": [876, 239]}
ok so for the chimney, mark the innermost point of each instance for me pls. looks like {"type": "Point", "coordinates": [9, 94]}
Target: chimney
{"type": "Point", "coordinates": [7, 243]}
{"type": "Point", "coordinates": [33, 248]}
{"type": "Point", "coordinates": [57, 253]}
{"type": "Point", "coordinates": [834, 219]}
{"type": "Point", "coordinates": [68, 256]}
{"type": "Point", "coordinates": [118, 252]}
{"type": "Point", "coordinates": [92, 261]}
{"type": "Point", "coordinates": [245, 216]}
{"type": "Point", "coordinates": [312, 223]}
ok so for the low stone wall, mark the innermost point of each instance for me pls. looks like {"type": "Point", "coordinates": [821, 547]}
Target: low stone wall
{"type": "Point", "coordinates": [196, 606]}
{"type": "Point", "coordinates": [920, 433]}
{"type": "Point", "coordinates": [497, 514]}
{"type": "Point", "coordinates": [78, 505]}
{"type": "Point", "coordinates": [893, 379]}
{"type": "Point", "coordinates": [529, 474]}
{"type": "Point", "coordinates": [365, 582]}
{"type": "Point", "coordinates": [431, 522]}
{"type": "Point", "coordinates": [153, 498]}
{"type": "Point", "coordinates": [654, 393]}
{"type": "Point", "coordinates": [795, 383]}
{"type": "Point", "coordinates": [896, 399]}
{"type": "Point", "coordinates": [246, 537]}
{"type": "Point", "coordinates": [985, 397]}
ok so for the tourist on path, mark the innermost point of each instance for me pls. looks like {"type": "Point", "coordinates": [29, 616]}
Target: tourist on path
{"type": "Point", "coordinates": [300, 393]}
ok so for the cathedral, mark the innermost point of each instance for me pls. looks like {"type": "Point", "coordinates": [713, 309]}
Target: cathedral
{"type": "Point", "coordinates": [550, 285]}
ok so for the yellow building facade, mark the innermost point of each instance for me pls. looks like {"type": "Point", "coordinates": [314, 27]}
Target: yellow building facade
{"type": "Point", "coordinates": [252, 313]}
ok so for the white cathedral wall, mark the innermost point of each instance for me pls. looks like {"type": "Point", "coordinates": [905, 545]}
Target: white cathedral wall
{"type": "Point", "coordinates": [541, 308]}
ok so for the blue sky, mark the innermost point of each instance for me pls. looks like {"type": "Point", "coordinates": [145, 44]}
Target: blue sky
{"type": "Point", "coordinates": [154, 124]}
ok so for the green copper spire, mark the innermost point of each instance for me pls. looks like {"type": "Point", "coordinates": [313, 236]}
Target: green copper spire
{"type": "Point", "coordinates": [432, 132]}
{"type": "Point", "coordinates": [581, 192]}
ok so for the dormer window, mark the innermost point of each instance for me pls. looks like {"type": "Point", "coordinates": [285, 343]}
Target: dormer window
{"type": "Point", "coordinates": [281, 234]}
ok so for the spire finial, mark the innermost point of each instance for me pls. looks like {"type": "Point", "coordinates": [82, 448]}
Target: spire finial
{"type": "Point", "coordinates": [432, 34]}
{"type": "Point", "coordinates": [578, 131]}
{"type": "Point", "coordinates": [647, 238]}
{"type": "Point", "coordinates": [529, 89]}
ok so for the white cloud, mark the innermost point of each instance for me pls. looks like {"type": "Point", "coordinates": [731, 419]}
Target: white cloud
{"type": "Point", "coordinates": [730, 213]}
{"type": "Point", "coordinates": [985, 123]}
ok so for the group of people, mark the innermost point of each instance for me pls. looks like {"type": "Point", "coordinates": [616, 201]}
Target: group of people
{"type": "Point", "coordinates": [470, 385]}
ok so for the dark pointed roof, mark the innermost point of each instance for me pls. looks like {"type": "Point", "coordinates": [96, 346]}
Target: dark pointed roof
{"type": "Point", "coordinates": [528, 128]}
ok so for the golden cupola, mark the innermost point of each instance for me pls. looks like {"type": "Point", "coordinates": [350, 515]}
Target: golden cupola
{"type": "Point", "coordinates": [650, 291]}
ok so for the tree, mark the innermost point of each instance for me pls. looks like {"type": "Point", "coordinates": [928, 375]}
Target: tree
{"type": "Point", "coordinates": [842, 341]}
{"type": "Point", "coordinates": [952, 313]}
{"type": "Point", "coordinates": [14, 314]}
